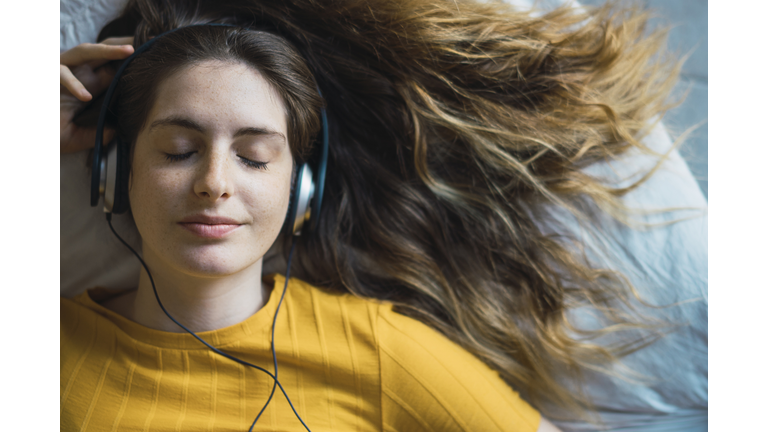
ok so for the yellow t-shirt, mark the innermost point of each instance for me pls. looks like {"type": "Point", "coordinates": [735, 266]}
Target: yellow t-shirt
{"type": "Point", "coordinates": [347, 364]}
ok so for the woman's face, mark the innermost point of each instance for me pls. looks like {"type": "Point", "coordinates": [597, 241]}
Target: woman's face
{"type": "Point", "coordinates": [211, 174]}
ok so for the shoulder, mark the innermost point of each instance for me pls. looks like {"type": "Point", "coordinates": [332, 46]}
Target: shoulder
{"type": "Point", "coordinates": [429, 380]}
{"type": "Point", "coordinates": [322, 304]}
{"type": "Point", "coordinates": [72, 310]}
{"type": "Point", "coordinates": [339, 320]}
{"type": "Point", "coordinates": [87, 335]}
{"type": "Point", "coordinates": [84, 321]}
{"type": "Point", "coordinates": [88, 304]}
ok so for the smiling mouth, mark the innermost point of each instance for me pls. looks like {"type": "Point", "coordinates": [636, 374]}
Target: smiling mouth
{"type": "Point", "coordinates": [212, 231]}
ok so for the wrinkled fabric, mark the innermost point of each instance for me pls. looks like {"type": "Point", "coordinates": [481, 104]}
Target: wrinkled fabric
{"type": "Point", "coordinates": [663, 386]}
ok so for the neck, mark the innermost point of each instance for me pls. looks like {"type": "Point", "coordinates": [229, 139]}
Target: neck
{"type": "Point", "coordinates": [199, 303]}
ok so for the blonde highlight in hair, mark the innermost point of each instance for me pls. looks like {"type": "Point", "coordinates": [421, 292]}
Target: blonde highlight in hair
{"type": "Point", "coordinates": [454, 126]}
{"type": "Point", "coordinates": [502, 112]}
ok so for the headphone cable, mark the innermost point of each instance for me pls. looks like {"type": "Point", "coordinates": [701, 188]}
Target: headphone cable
{"type": "Point", "coordinates": [275, 383]}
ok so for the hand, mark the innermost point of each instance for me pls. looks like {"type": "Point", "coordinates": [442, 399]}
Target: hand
{"type": "Point", "coordinates": [82, 77]}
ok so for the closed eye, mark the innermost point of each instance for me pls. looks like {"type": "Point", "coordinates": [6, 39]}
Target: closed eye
{"type": "Point", "coordinates": [178, 157]}
{"type": "Point", "coordinates": [183, 156]}
{"type": "Point", "coordinates": [253, 164]}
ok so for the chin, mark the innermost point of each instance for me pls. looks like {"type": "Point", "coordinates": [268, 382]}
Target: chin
{"type": "Point", "coordinates": [192, 257]}
{"type": "Point", "coordinates": [214, 262]}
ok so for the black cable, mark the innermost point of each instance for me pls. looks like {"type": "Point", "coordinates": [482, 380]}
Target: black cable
{"type": "Point", "coordinates": [221, 353]}
{"type": "Point", "coordinates": [272, 342]}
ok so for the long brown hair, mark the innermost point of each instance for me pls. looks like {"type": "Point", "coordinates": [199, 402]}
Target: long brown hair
{"type": "Point", "coordinates": [453, 124]}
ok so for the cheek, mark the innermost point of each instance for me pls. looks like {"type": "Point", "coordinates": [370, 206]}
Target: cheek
{"type": "Point", "coordinates": [268, 200]}
{"type": "Point", "coordinates": [153, 193]}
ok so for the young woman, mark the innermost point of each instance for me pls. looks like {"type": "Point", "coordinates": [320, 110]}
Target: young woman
{"type": "Point", "coordinates": [453, 127]}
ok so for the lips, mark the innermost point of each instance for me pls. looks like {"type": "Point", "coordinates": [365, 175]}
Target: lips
{"type": "Point", "coordinates": [212, 227]}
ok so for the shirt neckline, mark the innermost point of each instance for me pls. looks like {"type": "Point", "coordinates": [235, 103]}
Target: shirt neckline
{"type": "Point", "coordinates": [255, 324]}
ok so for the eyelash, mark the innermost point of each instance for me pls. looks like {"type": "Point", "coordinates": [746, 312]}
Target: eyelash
{"type": "Point", "coordinates": [183, 156]}
{"type": "Point", "coordinates": [177, 157]}
{"type": "Point", "coordinates": [254, 164]}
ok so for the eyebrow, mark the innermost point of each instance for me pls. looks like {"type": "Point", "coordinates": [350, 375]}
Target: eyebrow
{"type": "Point", "coordinates": [191, 124]}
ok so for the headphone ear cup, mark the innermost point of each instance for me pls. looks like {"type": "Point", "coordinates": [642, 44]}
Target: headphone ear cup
{"type": "Point", "coordinates": [290, 218]}
{"type": "Point", "coordinates": [121, 204]}
{"type": "Point", "coordinates": [321, 165]}
{"type": "Point", "coordinates": [115, 177]}
{"type": "Point", "coordinates": [307, 190]}
{"type": "Point", "coordinates": [301, 196]}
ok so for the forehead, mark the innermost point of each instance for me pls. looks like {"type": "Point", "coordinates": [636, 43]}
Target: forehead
{"type": "Point", "coordinates": [220, 96]}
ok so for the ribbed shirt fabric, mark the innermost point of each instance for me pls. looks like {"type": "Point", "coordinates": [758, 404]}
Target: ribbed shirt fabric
{"type": "Point", "coordinates": [347, 364]}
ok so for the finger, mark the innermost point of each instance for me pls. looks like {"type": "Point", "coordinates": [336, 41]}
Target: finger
{"type": "Point", "coordinates": [102, 79]}
{"type": "Point", "coordinates": [126, 40]}
{"type": "Point", "coordinates": [78, 90]}
{"type": "Point", "coordinates": [94, 81]}
{"type": "Point", "coordinates": [84, 53]}
{"type": "Point", "coordinates": [100, 62]}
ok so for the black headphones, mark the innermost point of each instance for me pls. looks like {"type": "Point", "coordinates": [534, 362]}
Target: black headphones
{"type": "Point", "coordinates": [109, 175]}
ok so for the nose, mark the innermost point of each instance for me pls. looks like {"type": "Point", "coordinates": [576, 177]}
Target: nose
{"type": "Point", "coordinates": [213, 181]}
